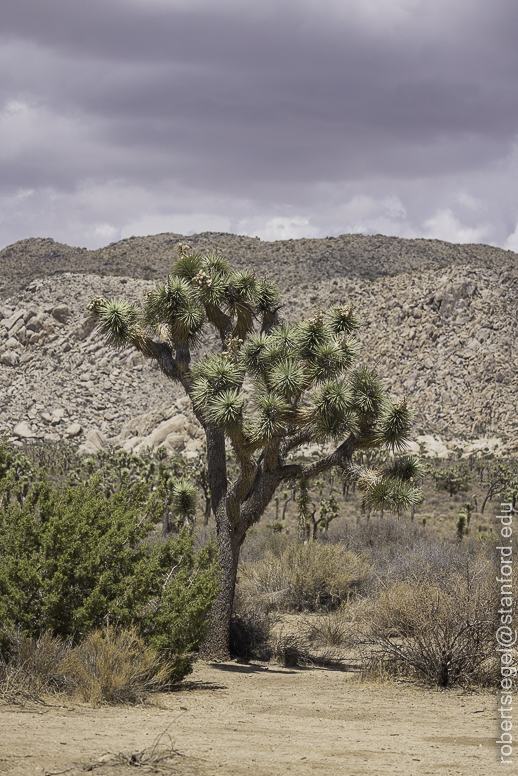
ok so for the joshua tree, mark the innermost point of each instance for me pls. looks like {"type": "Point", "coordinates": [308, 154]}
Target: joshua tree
{"type": "Point", "coordinates": [303, 388]}
{"type": "Point", "coordinates": [454, 479]}
{"type": "Point", "coordinates": [309, 523]}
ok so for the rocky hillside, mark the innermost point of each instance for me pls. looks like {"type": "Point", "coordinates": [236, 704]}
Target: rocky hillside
{"type": "Point", "coordinates": [439, 322]}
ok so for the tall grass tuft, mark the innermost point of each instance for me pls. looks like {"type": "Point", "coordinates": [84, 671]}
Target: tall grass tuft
{"type": "Point", "coordinates": [31, 668]}
{"type": "Point", "coordinates": [106, 667]}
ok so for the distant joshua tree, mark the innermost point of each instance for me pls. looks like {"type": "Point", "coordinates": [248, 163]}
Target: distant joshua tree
{"type": "Point", "coordinates": [305, 390]}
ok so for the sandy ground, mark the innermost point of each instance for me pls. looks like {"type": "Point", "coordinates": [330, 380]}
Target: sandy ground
{"type": "Point", "coordinates": [231, 718]}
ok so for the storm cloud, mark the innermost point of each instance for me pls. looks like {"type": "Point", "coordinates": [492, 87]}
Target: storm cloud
{"type": "Point", "coordinates": [293, 118]}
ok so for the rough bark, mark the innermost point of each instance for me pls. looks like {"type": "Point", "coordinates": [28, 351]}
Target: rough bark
{"type": "Point", "coordinates": [216, 645]}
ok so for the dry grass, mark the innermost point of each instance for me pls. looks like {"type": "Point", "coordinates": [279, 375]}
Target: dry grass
{"type": "Point", "coordinates": [31, 668]}
{"type": "Point", "coordinates": [158, 758]}
{"type": "Point", "coordinates": [296, 649]}
{"type": "Point", "coordinates": [332, 629]}
{"type": "Point", "coordinates": [250, 633]}
{"type": "Point", "coordinates": [107, 667]}
{"type": "Point", "coordinates": [310, 577]}
{"type": "Point", "coordinates": [110, 667]}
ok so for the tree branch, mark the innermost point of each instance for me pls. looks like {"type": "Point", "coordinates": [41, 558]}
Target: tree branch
{"type": "Point", "coordinates": [339, 457]}
{"type": "Point", "coordinates": [159, 352]}
{"type": "Point", "coordinates": [295, 440]}
{"type": "Point", "coordinates": [261, 493]}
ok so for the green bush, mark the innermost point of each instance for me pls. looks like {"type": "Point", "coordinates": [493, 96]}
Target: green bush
{"type": "Point", "coordinates": [75, 560]}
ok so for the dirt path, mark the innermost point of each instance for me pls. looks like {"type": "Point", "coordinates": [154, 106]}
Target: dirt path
{"type": "Point", "coordinates": [238, 719]}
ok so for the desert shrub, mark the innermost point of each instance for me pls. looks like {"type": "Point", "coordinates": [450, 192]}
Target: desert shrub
{"type": "Point", "coordinates": [436, 562]}
{"type": "Point", "coordinates": [75, 559]}
{"type": "Point", "coordinates": [297, 649]}
{"type": "Point", "coordinates": [30, 668]}
{"type": "Point", "coordinates": [290, 649]}
{"type": "Point", "coordinates": [261, 541]}
{"type": "Point", "coordinates": [376, 532]}
{"type": "Point", "coordinates": [115, 667]}
{"type": "Point", "coordinates": [250, 633]}
{"type": "Point", "coordinates": [332, 629]}
{"type": "Point", "coordinates": [304, 577]}
{"type": "Point", "coordinates": [400, 550]}
{"type": "Point", "coordinates": [107, 667]}
{"type": "Point", "coordinates": [440, 631]}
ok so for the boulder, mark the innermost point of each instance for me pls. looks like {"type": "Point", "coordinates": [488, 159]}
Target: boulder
{"type": "Point", "coordinates": [61, 313]}
{"type": "Point", "coordinates": [36, 323]}
{"type": "Point", "coordinates": [173, 429]}
{"type": "Point", "coordinates": [24, 431]}
{"type": "Point", "coordinates": [129, 444]}
{"type": "Point", "coordinates": [174, 442]}
{"type": "Point", "coordinates": [51, 437]}
{"type": "Point", "coordinates": [30, 313]}
{"type": "Point", "coordinates": [57, 414]}
{"type": "Point", "coordinates": [73, 430]}
{"type": "Point", "coordinates": [463, 290]}
{"type": "Point", "coordinates": [145, 424]}
{"type": "Point", "coordinates": [9, 358]}
{"type": "Point", "coordinates": [10, 322]}
{"type": "Point", "coordinates": [95, 440]}
{"type": "Point", "coordinates": [84, 329]}
{"type": "Point", "coordinates": [21, 335]}
{"type": "Point", "coordinates": [13, 331]}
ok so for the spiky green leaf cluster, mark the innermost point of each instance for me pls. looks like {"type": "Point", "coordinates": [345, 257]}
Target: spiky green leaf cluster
{"type": "Point", "coordinates": [273, 412]}
{"type": "Point", "coordinates": [171, 312]}
{"type": "Point", "coordinates": [311, 335]}
{"type": "Point", "coordinates": [211, 377]}
{"type": "Point", "coordinates": [368, 394]}
{"type": "Point", "coordinates": [299, 371]}
{"type": "Point", "coordinates": [406, 468]}
{"type": "Point", "coordinates": [199, 289]}
{"type": "Point", "coordinates": [288, 378]}
{"type": "Point", "coordinates": [393, 495]}
{"type": "Point", "coordinates": [184, 498]}
{"type": "Point", "coordinates": [394, 425]}
{"type": "Point", "coordinates": [226, 410]}
{"type": "Point", "coordinates": [117, 318]}
{"type": "Point", "coordinates": [333, 410]}
{"type": "Point", "coordinates": [327, 360]}
{"type": "Point", "coordinates": [343, 320]}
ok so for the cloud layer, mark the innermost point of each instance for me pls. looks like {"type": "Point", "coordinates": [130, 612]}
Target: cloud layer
{"type": "Point", "coordinates": [286, 119]}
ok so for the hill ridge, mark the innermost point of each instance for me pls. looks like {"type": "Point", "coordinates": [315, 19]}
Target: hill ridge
{"type": "Point", "coordinates": [317, 258]}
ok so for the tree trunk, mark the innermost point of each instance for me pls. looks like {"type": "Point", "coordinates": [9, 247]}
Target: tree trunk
{"type": "Point", "coordinates": [208, 509]}
{"type": "Point", "coordinates": [165, 520]}
{"type": "Point", "coordinates": [215, 646]}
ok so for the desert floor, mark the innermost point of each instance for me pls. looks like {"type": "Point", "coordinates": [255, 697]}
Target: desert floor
{"type": "Point", "coordinates": [264, 719]}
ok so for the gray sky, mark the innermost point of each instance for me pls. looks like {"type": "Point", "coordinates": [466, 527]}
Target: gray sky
{"type": "Point", "coordinates": [275, 118]}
